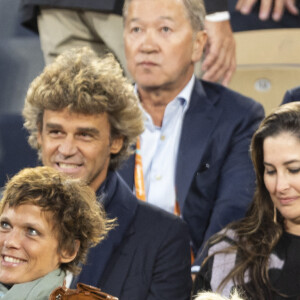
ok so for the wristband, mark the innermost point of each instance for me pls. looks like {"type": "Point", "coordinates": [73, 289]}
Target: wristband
{"type": "Point", "coordinates": [218, 16]}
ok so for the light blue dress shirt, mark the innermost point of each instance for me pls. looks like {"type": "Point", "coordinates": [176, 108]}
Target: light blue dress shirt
{"type": "Point", "coordinates": [159, 147]}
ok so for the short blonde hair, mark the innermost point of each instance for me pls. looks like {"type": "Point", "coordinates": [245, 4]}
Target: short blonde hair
{"type": "Point", "coordinates": [215, 296]}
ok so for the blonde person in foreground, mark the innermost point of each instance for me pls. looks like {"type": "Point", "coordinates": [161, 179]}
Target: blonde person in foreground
{"type": "Point", "coordinates": [47, 223]}
{"type": "Point", "coordinates": [215, 296]}
{"type": "Point", "coordinates": [259, 255]}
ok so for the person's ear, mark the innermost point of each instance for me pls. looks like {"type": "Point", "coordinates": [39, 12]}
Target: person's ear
{"type": "Point", "coordinates": [116, 145]}
{"type": "Point", "coordinates": [39, 137]}
{"type": "Point", "coordinates": [199, 42]}
{"type": "Point", "coordinates": [66, 256]}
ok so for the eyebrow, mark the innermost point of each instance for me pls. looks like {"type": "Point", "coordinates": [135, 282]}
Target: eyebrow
{"type": "Point", "coordinates": [160, 18]}
{"type": "Point", "coordinates": [4, 219]}
{"type": "Point", "coordinates": [285, 163]}
{"type": "Point", "coordinates": [33, 225]}
{"type": "Point", "coordinates": [91, 130]}
{"type": "Point", "coordinates": [53, 125]}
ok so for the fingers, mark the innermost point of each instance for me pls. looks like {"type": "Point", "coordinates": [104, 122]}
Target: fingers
{"type": "Point", "coordinates": [230, 71]}
{"type": "Point", "coordinates": [219, 63]}
{"type": "Point", "coordinates": [265, 8]}
{"type": "Point", "coordinates": [245, 6]}
{"type": "Point", "coordinates": [278, 10]}
{"type": "Point", "coordinates": [291, 7]}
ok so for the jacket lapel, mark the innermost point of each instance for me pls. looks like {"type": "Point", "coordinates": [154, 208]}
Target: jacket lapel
{"type": "Point", "coordinates": [127, 171]}
{"type": "Point", "coordinates": [113, 278]}
{"type": "Point", "coordinates": [198, 124]}
{"type": "Point", "coordinates": [121, 204]}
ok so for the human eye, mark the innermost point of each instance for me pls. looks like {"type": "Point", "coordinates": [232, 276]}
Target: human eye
{"type": "Point", "coordinates": [85, 135]}
{"type": "Point", "coordinates": [165, 29]}
{"type": "Point", "coordinates": [5, 225]}
{"type": "Point", "coordinates": [135, 29]}
{"type": "Point", "coordinates": [294, 170]}
{"type": "Point", "coordinates": [55, 132]}
{"type": "Point", "coordinates": [32, 231]}
{"type": "Point", "coordinates": [269, 171]}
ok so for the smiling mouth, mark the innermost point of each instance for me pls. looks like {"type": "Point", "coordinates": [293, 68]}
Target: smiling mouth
{"type": "Point", "coordinates": [68, 166]}
{"type": "Point", "coordinates": [13, 260]}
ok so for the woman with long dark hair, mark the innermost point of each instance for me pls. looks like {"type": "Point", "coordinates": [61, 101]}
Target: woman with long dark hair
{"type": "Point", "coordinates": [260, 254]}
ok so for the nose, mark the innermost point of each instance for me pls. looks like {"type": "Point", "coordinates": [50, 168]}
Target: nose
{"type": "Point", "coordinates": [67, 146]}
{"type": "Point", "coordinates": [282, 183]}
{"type": "Point", "coordinates": [149, 42]}
{"type": "Point", "coordinates": [12, 240]}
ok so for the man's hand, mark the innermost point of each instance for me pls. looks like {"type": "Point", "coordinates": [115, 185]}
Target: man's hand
{"type": "Point", "coordinates": [220, 61]}
{"type": "Point", "coordinates": [245, 7]}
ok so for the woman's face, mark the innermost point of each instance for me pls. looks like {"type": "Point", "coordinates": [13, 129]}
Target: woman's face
{"type": "Point", "coordinates": [282, 177]}
{"type": "Point", "coordinates": [28, 244]}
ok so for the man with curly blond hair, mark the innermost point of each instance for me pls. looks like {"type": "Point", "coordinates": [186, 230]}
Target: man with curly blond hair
{"type": "Point", "coordinates": [83, 119]}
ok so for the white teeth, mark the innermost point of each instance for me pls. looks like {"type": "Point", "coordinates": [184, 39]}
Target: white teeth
{"type": "Point", "coordinates": [12, 260]}
{"type": "Point", "coordinates": [68, 166]}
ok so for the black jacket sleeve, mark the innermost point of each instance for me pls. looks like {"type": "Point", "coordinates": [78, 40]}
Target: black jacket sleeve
{"type": "Point", "coordinates": [213, 6]}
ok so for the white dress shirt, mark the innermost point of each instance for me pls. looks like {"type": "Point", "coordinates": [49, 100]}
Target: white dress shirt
{"type": "Point", "coordinates": [159, 147]}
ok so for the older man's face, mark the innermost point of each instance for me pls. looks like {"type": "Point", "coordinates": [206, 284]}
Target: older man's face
{"type": "Point", "coordinates": [160, 44]}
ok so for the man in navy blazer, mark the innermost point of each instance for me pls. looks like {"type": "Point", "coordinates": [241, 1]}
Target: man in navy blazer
{"type": "Point", "coordinates": [213, 178]}
{"type": "Point", "coordinates": [83, 117]}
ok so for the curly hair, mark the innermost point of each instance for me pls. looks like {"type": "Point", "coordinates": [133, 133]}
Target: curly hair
{"type": "Point", "coordinates": [75, 213]}
{"type": "Point", "coordinates": [194, 9]}
{"type": "Point", "coordinates": [257, 234]}
{"type": "Point", "coordinates": [84, 83]}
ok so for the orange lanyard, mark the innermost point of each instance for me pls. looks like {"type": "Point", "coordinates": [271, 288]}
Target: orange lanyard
{"type": "Point", "coordinates": [139, 178]}
{"type": "Point", "coordinates": [138, 173]}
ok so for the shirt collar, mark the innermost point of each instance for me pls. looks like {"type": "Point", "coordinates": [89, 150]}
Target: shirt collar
{"type": "Point", "coordinates": [186, 93]}
{"type": "Point", "coordinates": [184, 96]}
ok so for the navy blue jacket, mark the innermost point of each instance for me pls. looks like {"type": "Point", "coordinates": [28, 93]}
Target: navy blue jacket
{"type": "Point", "coordinates": [147, 256]}
{"type": "Point", "coordinates": [214, 174]}
{"type": "Point", "coordinates": [292, 95]}
{"type": "Point", "coordinates": [29, 8]}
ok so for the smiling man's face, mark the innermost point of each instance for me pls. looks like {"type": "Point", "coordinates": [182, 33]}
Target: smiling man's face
{"type": "Point", "coordinates": [78, 144]}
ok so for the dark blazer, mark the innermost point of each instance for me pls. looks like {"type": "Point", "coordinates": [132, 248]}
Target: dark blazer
{"type": "Point", "coordinates": [214, 174]}
{"type": "Point", "coordinates": [292, 95]}
{"type": "Point", "coordinates": [29, 9]}
{"type": "Point", "coordinates": [146, 257]}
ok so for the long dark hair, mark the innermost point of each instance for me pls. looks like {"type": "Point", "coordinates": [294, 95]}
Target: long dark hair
{"type": "Point", "coordinates": [257, 234]}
